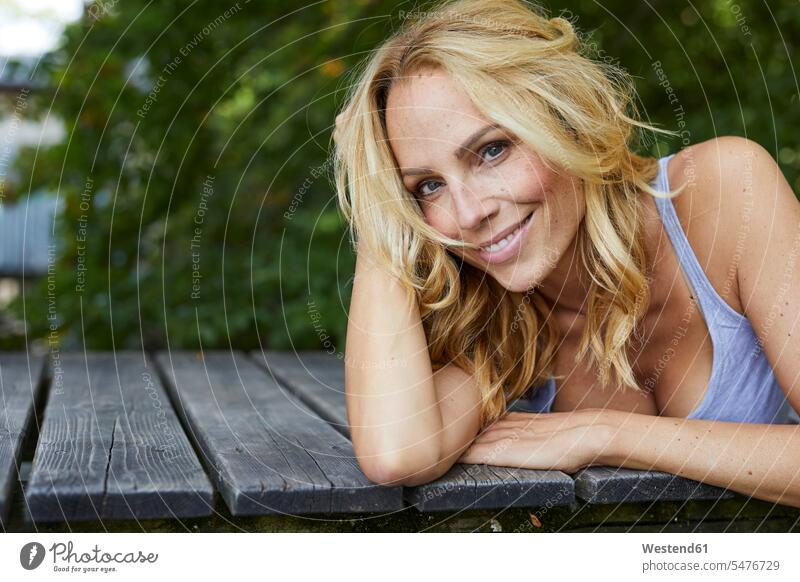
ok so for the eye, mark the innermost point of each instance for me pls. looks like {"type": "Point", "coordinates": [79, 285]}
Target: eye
{"type": "Point", "coordinates": [494, 146]}
{"type": "Point", "coordinates": [419, 189]}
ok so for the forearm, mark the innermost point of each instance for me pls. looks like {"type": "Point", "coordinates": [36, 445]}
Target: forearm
{"type": "Point", "coordinates": [392, 406]}
{"type": "Point", "coordinates": [760, 460]}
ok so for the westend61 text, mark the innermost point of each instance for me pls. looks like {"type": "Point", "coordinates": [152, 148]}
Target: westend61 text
{"type": "Point", "coordinates": [670, 549]}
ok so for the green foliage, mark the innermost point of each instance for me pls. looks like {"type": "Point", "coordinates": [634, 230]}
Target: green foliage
{"type": "Point", "coordinates": [186, 125]}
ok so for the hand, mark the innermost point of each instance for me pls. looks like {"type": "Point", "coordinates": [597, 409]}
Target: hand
{"type": "Point", "coordinates": [565, 441]}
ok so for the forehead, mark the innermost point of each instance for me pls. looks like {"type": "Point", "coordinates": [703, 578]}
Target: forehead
{"type": "Point", "coordinates": [429, 111]}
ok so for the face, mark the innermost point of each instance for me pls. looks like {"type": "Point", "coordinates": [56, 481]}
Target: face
{"type": "Point", "coordinates": [480, 184]}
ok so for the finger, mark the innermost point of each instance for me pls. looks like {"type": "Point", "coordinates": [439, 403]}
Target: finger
{"type": "Point", "coordinates": [522, 424]}
{"type": "Point", "coordinates": [519, 414]}
{"type": "Point", "coordinates": [554, 418]}
{"type": "Point", "coordinates": [497, 434]}
{"type": "Point", "coordinates": [483, 454]}
{"type": "Point", "coordinates": [468, 457]}
{"type": "Point", "coordinates": [542, 416]}
{"type": "Point", "coordinates": [519, 424]}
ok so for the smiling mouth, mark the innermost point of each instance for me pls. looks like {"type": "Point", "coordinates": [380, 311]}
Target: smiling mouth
{"type": "Point", "coordinates": [506, 249]}
{"type": "Point", "coordinates": [501, 244]}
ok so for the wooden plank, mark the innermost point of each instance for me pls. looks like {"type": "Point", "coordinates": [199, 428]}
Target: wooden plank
{"type": "Point", "coordinates": [20, 381]}
{"type": "Point", "coordinates": [492, 487]}
{"type": "Point", "coordinates": [111, 446]}
{"type": "Point", "coordinates": [318, 378]}
{"type": "Point", "coordinates": [617, 485]}
{"type": "Point", "coordinates": [271, 453]}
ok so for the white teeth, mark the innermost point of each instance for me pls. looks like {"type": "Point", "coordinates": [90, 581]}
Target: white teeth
{"type": "Point", "coordinates": [502, 243]}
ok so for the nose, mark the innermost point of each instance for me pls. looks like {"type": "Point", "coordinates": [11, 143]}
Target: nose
{"type": "Point", "coordinates": [471, 207]}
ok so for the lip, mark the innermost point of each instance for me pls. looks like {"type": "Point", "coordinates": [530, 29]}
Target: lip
{"type": "Point", "coordinates": [513, 247]}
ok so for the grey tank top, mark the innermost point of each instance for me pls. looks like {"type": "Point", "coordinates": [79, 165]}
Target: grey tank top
{"type": "Point", "coordinates": [742, 387]}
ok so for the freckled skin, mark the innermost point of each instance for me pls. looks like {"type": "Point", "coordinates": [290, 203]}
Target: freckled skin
{"type": "Point", "coordinates": [490, 189]}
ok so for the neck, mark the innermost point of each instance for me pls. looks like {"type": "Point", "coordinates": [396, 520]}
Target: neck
{"type": "Point", "coordinates": [566, 287]}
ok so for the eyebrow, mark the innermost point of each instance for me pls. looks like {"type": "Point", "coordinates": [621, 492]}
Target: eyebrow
{"type": "Point", "coordinates": [462, 150]}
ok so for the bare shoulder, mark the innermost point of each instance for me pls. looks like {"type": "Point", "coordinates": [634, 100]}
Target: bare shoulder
{"type": "Point", "coordinates": [720, 168]}
{"type": "Point", "coordinates": [720, 175]}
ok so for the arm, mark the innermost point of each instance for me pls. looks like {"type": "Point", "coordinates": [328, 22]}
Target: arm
{"type": "Point", "coordinates": [761, 460]}
{"type": "Point", "coordinates": [408, 425]}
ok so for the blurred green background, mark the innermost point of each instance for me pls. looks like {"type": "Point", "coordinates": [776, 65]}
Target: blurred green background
{"type": "Point", "coordinates": [195, 177]}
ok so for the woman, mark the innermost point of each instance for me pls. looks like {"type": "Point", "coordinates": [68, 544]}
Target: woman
{"type": "Point", "coordinates": [508, 238]}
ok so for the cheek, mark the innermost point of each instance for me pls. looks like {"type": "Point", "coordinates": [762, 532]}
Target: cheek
{"type": "Point", "coordinates": [527, 180]}
{"type": "Point", "coordinates": [441, 219]}
{"type": "Point", "coordinates": [567, 202]}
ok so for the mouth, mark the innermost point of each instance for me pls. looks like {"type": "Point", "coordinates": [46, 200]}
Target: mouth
{"type": "Point", "coordinates": [509, 246]}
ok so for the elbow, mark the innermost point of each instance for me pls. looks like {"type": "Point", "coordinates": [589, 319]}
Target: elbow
{"type": "Point", "coordinates": [384, 471]}
{"type": "Point", "coordinates": [398, 470]}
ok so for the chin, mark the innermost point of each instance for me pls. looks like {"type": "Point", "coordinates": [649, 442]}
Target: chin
{"type": "Point", "coordinates": [521, 276]}
{"type": "Point", "coordinates": [517, 281]}
{"type": "Point", "coordinates": [514, 276]}
{"type": "Point", "coordinates": [515, 286]}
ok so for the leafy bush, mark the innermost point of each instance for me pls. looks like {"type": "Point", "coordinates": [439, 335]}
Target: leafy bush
{"type": "Point", "coordinates": [199, 210]}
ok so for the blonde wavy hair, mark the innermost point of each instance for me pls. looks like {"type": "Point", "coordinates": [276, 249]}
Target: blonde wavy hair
{"type": "Point", "coordinates": [516, 65]}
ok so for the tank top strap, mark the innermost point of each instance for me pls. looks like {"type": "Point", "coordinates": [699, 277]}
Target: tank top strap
{"type": "Point", "coordinates": [715, 310]}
